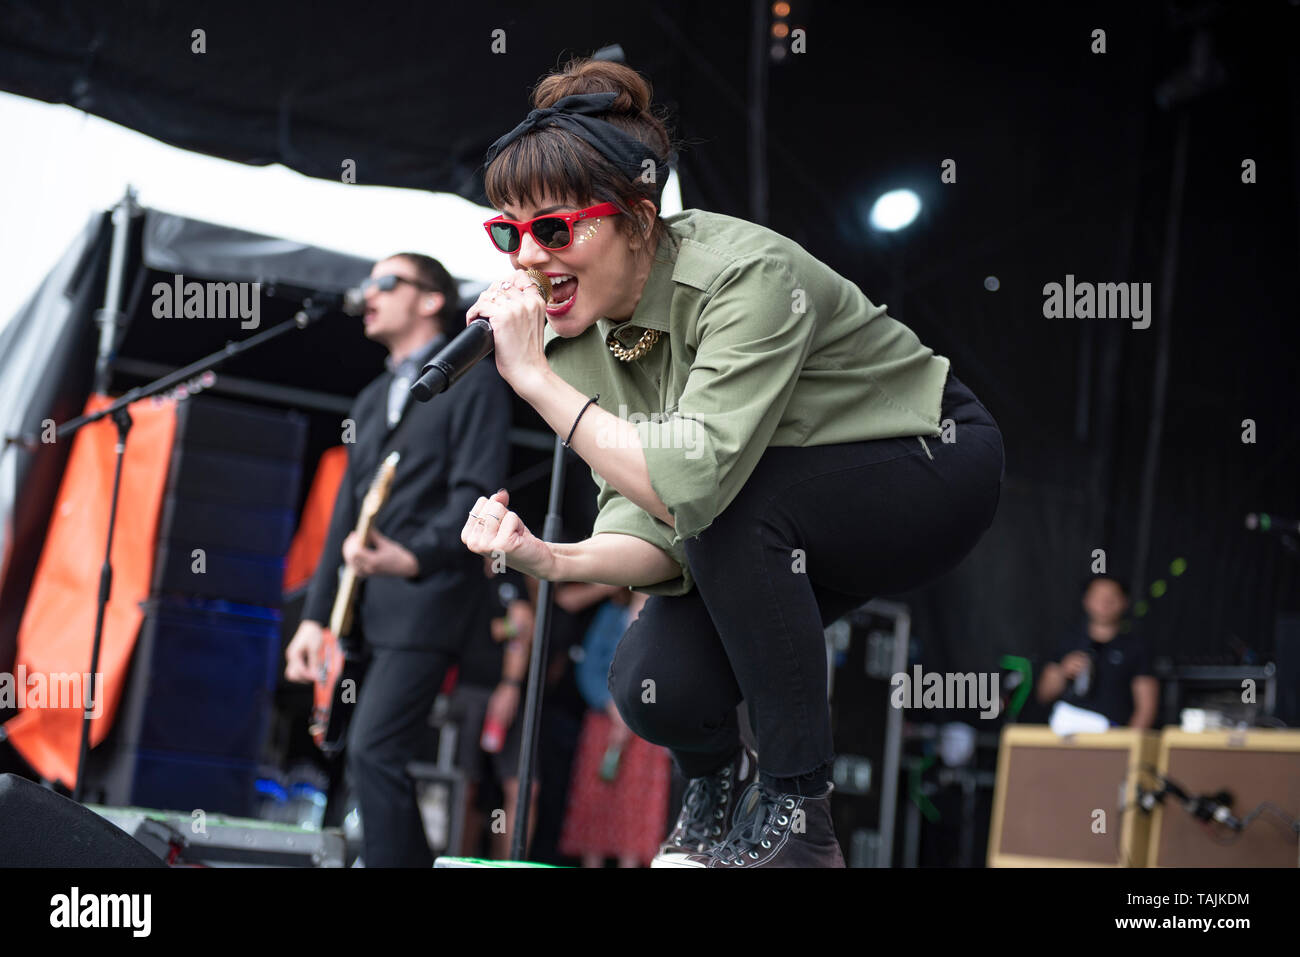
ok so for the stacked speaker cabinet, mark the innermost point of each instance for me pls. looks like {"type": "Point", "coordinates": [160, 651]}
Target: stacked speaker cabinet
{"type": "Point", "coordinates": [194, 716]}
{"type": "Point", "coordinates": [1251, 767]}
{"type": "Point", "coordinates": [1070, 801]}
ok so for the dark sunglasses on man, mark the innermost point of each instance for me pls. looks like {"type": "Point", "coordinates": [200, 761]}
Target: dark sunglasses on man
{"type": "Point", "coordinates": [388, 284]}
{"type": "Point", "coordinates": [554, 231]}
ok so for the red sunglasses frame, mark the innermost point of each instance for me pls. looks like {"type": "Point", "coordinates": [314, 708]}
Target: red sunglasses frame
{"type": "Point", "coordinates": [526, 227]}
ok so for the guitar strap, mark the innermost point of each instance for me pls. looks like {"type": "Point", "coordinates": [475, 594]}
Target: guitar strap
{"type": "Point", "coordinates": [390, 443]}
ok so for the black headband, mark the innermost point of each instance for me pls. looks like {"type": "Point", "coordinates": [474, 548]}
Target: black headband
{"type": "Point", "coordinates": [575, 113]}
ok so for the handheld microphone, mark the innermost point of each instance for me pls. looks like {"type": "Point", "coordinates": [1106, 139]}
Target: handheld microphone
{"type": "Point", "coordinates": [461, 354]}
{"type": "Point", "coordinates": [455, 359]}
{"type": "Point", "coordinates": [1083, 680]}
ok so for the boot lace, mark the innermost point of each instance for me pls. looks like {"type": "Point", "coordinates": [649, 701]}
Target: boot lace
{"type": "Point", "coordinates": [753, 815]}
{"type": "Point", "coordinates": [702, 801]}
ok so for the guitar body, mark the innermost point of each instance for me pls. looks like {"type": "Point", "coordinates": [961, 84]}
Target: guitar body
{"type": "Point", "coordinates": [334, 696]}
{"type": "Point", "coordinates": [343, 659]}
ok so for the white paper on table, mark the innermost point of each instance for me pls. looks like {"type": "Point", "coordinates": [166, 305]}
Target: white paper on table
{"type": "Point", "coordinates": [1071, 719]}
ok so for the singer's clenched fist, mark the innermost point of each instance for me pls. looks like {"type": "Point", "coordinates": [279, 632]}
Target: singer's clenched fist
{"type": "Point", "coordinates": [516, 310]}
{"type": "Point", "coordinates": [492, 529]}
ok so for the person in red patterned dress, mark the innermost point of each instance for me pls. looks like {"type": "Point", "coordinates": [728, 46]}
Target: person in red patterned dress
{"type": "Point", "coordinates": [618, 799]}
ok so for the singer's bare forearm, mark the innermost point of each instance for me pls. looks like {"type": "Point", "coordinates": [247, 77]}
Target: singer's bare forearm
{"type": "Point", "coordinates": [619, 460]}
{"type": "Point", "coordinates": [612, 559]}
{"type": "Point", "coordinates": [574, 597]}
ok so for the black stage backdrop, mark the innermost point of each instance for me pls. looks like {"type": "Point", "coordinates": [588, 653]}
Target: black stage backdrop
{"type": "Point", "coordinates": [1066, 163]}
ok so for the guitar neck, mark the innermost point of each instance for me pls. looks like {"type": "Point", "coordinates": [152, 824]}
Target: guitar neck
{"type": "Point", "coordinates": [346, 596]}
{"type": "Point", "coordinates": [349, 584]}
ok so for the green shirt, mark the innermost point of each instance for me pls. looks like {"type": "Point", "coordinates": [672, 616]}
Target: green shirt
{"type": "Point", "coordinates": [765, 345]}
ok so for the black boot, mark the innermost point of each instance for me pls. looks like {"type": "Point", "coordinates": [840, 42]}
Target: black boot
{"type": "Point", "coordinates": [776, 830]}
{"type": "Point", "coordinates": [708, 810]}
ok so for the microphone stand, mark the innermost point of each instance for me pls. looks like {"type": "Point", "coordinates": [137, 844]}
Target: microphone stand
{"type": "Point", "coordinates": [438, 375]}
{"type": "Point", "coordinates": [537, 664]}
{"type": "Point", "coordinates": [308, 314]}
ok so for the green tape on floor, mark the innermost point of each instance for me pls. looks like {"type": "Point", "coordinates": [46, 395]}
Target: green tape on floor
{"type": "Point", "coordinates": [479, 862]}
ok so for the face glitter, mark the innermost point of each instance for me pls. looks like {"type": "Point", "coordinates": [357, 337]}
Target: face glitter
{"type": "Point", "coordinates": [587, 233]}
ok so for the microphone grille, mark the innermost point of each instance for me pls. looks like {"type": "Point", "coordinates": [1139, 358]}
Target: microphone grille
{"type": "Point", "coordinates": [354, 302]}
{"type": "Point", "coordinates": [542, 281]}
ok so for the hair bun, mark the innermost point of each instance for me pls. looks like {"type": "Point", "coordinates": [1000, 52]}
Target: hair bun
{"type": "Point", "coordinates": [596, 76]}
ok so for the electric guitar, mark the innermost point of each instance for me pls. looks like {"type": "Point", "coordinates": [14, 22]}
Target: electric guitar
{"type": "Point", "coordinates": [336, 684]}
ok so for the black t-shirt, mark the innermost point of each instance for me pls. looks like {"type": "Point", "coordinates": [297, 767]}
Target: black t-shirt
{"type": "Point", "coordinates": [1115, 664]}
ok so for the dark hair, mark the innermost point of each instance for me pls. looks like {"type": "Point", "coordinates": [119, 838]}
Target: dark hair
{"type": "Point", "coordinates": [551, 159]}
{"type": "Point", "coordinates": [1104, 577]}
{"type": "Point", "coordinates": [434, 275]}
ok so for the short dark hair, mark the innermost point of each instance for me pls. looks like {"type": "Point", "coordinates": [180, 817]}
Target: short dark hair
{"type": "Point", "coordinates": [1105, 577]}
{"type": "Point", "coordinates": [434, 275]}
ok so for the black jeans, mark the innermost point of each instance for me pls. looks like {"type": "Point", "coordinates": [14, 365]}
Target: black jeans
{"type": "Point", "coordinates": [390, 721]}
{"type": "Point", "coordinates": [815, 532]}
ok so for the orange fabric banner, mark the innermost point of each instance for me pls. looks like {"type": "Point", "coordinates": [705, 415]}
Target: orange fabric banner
{"type": "Point", "coordinates": [309, 540]}
{"type": "Point", "coordinates": [58, 627]}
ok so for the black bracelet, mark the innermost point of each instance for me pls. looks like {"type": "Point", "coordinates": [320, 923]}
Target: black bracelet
{"type": "Point", "coordinates": [580, 414]}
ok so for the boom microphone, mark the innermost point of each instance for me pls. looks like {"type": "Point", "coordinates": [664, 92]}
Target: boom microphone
{"type": "Point", "coordinates": [354, 302]}
{"type": "Point", "coordinates": [461, 354]}
{"type": "Point", "coordinates": [1203, 807]}
{"type": "Point", "coordinates": [351, 301]}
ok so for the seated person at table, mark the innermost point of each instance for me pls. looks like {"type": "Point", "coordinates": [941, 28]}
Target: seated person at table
{"type": "Point", "coordinates": [1102, 665]}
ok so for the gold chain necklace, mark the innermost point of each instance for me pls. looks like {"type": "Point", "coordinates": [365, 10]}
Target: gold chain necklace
{"type": "Point", "coordinates": [643, 345]}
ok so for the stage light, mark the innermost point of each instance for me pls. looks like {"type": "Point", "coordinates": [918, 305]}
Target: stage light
{"type": "Point", "coordinates": [895, 210]}
{"type": "Point", "coordinates": [780, 30]}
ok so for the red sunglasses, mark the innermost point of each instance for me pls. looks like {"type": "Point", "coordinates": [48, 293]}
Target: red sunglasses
{"type": "Point", "coordinates": [553, 231]}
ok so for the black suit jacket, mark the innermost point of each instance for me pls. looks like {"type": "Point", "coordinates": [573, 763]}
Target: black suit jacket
{"type": "Point", "coordinates": [454, 448]}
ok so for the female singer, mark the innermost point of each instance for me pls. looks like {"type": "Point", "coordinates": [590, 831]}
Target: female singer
{"type": "Point", "coordinates": [771, 449]}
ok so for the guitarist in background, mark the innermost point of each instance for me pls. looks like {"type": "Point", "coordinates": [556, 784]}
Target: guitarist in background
{"type": "Point", "coordinates": [424, 596]}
